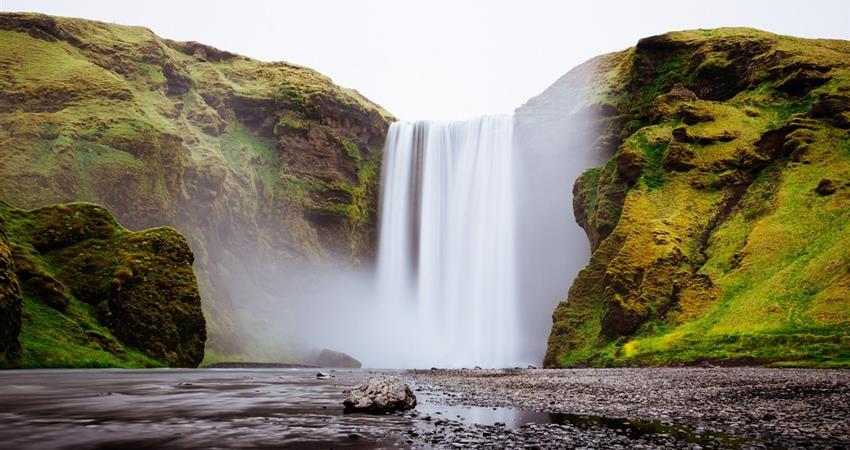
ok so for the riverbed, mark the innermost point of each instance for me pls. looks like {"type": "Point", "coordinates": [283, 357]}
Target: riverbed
{"type": "Point", "coordinates": [292, 408]}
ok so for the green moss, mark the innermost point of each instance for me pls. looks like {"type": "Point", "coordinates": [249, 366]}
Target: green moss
{"type": "Point", "coordinates": [98, 295]}
{"type": "Point", "coordinates": [726, 254]}
{"type": "Point", "coordinates": [248, 155]}
{"type": "Point", "coordinates": [668, 74]}
{"type": "Point", "coordinates": [590, 190]}
{"type": "Point", "coordinates": [652, 175]}
{"type": "Point", "coordinates": [53, 339]}
{"type": "Point", "coordinates": [352, 150]}
{"type": "Point", "coordinates": [290, 94]}
{"type": "Point", "coordinates": [291, 123]}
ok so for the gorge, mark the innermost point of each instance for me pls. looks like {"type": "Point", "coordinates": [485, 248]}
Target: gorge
{"type": "Point", "coordinates": [663, 229]}
{"type": "Point", "coordinates": [700, 148]}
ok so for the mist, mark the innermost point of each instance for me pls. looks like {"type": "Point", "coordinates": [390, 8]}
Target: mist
{"type": "Point", "coordinates": [379, 312]}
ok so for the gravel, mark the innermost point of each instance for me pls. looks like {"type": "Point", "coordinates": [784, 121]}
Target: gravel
{"type": "Point", "coordinates": [653, 407]}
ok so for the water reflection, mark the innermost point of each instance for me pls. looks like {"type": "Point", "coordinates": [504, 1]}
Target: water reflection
{"type": "Point", "coordinates": [511, 418]}
{"type": "Point", "coordinates": [632, 427]}
{"type": "Point", "coordinates": [184, 409]}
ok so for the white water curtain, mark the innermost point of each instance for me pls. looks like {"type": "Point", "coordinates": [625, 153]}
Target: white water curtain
{"type": "Point", "coordinates": [446, 263]}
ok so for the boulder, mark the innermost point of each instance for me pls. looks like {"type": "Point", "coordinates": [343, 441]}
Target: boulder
{"type": "Point", "coordinates": [380, 395]}
{"type": "Point", "coordinates": [826, 187]}
{"type": "Point", "coordinates": [139, 288]}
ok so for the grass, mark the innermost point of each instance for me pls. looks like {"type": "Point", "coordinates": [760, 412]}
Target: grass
{"type": "Point", "coordinates": [53, 339]}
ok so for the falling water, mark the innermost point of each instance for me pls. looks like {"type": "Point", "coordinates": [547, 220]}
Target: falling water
{"type": "Point", "coordinates": [447, 259]}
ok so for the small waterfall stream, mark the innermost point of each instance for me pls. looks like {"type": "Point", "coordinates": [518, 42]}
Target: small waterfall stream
{"type": "Point", "coordinates": [446, 258]}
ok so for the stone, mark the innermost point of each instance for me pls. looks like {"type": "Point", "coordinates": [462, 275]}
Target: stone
{"type": "Point", "coordinates": [679, 157]}
{"type": "Point", "coordinates": [140, 285]}
{"type": "Point", "coordinates": [826, 187]}
{"type": "Point", "coordinates": [380, 395]}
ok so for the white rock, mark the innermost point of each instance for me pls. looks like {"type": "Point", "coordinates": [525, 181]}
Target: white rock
{"type": "Point", "coordinates": [380, 395]}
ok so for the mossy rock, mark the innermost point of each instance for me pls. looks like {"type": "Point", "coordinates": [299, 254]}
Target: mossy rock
{"type": "Point", "coordinates": [730, 192]}
{"type": "Point", "coordinates": [10, 303]}
{"type": "Point", "coordinates": [98, 294]}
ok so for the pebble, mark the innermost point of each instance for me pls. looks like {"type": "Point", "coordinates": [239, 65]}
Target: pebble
{"type": "Point", "coordinates": [745, 407]}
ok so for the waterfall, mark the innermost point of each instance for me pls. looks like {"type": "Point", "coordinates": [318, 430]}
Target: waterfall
{"type": "Point", "coordinates": [446, 260]}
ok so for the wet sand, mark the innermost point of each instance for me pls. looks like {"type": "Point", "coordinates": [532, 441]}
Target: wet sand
{"type": "Point", "coordinates": [199, 408]}
{"type": "Point", "coordinates": [290, 408]}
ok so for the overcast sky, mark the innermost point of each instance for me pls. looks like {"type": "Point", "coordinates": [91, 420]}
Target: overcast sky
{"type": "Point", "coordinates": [435, 59]}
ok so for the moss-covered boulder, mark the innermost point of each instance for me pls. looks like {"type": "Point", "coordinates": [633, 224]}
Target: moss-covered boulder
{"type": "Point", "coordinates": [94, 293]}
{"type": "Point", "coordinates": [259, 164]}
{"type": "Point", "coordinates": [719, 224]}
{"type": "Point", "coordinates": [10, 302]}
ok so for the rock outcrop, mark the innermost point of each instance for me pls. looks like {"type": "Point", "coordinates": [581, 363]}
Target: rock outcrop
{"type": "Point", "coordinates": [380, 395]}
{"type": "Point", "coordinates": [79, 290]}
{"type": "Point", "coordinates": [258, 164]}
{"type": "Point", "coordinates": [718, 223]}
{"type": "Point", "coordinates": [331, 358]}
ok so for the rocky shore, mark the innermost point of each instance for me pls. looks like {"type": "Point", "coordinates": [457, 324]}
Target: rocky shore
{"type": "Point", "coordinates": [642, 408]}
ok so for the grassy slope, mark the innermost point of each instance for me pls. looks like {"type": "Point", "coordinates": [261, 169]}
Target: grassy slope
{"type": "Point", "coordinates": [244, 157]}
{"type": "Point", "coordinates": [721, 249]}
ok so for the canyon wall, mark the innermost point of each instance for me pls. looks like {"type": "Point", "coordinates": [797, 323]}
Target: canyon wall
{"type": "Point", "coordinates": [718, 226]}
{"type": "Point", "coordinates": [261, 165]}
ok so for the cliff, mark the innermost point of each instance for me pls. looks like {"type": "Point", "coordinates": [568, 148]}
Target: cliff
{"type": "Point", "coordinates": [718, 224]}
{"type": "Point", "coordinates": [80, 290]}
{"type": "Point", "coordinates": [258, 164]}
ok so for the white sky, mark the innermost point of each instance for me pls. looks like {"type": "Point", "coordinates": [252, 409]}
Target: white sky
{"type": "Point", "coordinates": [440, 59]}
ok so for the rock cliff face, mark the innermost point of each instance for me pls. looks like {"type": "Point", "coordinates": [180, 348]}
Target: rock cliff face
{"type": "Point", "coordinates": [719, 224]}
{"type": "Point", "coordinates": [258, 164]}
{"type": "Point", "coordinates": [79, 290]}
